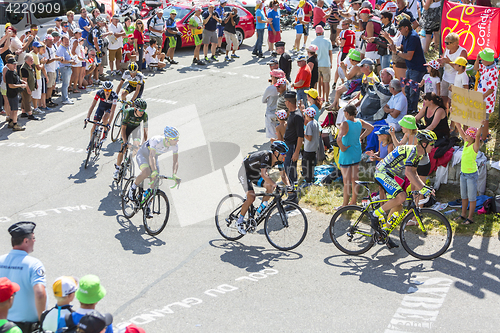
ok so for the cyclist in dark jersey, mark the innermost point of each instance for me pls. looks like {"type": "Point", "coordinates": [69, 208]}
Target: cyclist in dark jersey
{"type": "Point", "coordinates": [132, 118]}
{"type": "Point", "coordinates": [107, 104]}
{"type": "Point", "coordinates": [402, 161]}
{"type": "Point", "coordinates": [254, 171]}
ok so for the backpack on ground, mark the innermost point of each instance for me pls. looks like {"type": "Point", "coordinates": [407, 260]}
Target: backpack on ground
{"type": "Point", "coordinates": [7, 326]}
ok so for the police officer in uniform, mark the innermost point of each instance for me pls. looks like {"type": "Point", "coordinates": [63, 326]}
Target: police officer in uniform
{"type": "Point", "coordinates": [285, 61]}
{"type": "Point", "coordinates": [28, 273]}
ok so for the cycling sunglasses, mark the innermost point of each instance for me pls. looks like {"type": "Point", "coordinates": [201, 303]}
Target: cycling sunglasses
{"type": "Point", "coordinates": [107, 90]}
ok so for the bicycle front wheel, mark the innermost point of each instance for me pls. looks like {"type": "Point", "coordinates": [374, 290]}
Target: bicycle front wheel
{"type": "Point", "coordinates": [226, 216]}
{"type": "Point", "coordinates": [428, 239]}
{"type": "Point", "coordinates": [117, 126]}
{"type": "Point", "coordinates": [285, 230]}
{"type": "Point", "coordinates": [350, 230]}
{"type": "Point", "coordinates": [128, 206]}
{"type": "Point", "coordinates": [90, 149]}
{"type": "Point", "coordinates": [156, 213]}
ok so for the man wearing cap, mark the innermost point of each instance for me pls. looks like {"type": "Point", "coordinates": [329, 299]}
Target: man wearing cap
{"type": "Point", "coordinates": [115, 44]}
{"type": "Point", "coordinates": [273, 64]}
{"type": "Point", "coordinates": [285, 61]}
{"type": "Point", "coordinates": [95, 322]}
{"type": "Point", "coordinates": [8, 290]}
{"type": "Point", "coordinates": [89, 293]}
{"type": "Point", "coordinates": [325, 60]}
{"type": "Point", "coordinates": [172, 34]}
{"type": "Point", "coordinates": [302, 80]}
{"type": "Point", "coordinates": [64, 291]}
{"type": "Point", "coordinates": [29, 273]}
{"type": "Point", "coordinates": [294, 137]}
{"type": "Point", "coordinates": [156, 27]}
{"type": "Point", "coordinates": [210, 20]}
{"type": "Point", "coordinates": [270, 97]}
{"type": "Point", "coordinates": [413, 54]}
{"type": "Point", "coordinates": [58, 24]}
{"type": "Point", "coordinates": [372, 30]}
{"type": "Point", "coordinates": [13, 83]}
{"type": "Point", "coordinates": [367, 105]}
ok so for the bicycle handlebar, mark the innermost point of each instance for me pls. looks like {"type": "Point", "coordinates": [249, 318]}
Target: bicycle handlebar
{"type": "Point", "coordinates": [125, 102]}
{"type": "Point", "coordinates": [93, 122]}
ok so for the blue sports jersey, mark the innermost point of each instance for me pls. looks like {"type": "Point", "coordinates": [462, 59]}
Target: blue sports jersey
{"type": "Point", "coordinates": [104, 103]}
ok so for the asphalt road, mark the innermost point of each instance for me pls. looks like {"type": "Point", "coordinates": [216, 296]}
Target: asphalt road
{"type": "Point", "coordinates": [189, 279]}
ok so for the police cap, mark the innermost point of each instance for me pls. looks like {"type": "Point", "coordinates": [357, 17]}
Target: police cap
{"type": "Point", "coordinates": [21, 229]}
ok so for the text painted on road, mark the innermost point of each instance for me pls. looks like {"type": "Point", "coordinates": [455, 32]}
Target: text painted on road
{"type": "Point", "coordinates": [191, 301]}
{"type": "Point", "coordinates": [159, 100]}
{"type": "Point", "coordinates": [40, 146]}
{"type": "Point", "coordinates": [46, 212]}
{"type": "Point", "coordinates": [419, 311]}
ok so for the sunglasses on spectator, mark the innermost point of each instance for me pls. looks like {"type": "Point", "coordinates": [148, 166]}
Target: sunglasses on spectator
{"type": "Point", "coordinates": [139, 23]}
{"type": "Point", "coordinates": [448, 43]}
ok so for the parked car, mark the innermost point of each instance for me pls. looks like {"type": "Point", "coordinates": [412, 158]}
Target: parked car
{"type": "Point", "coordinates": [244, 29]}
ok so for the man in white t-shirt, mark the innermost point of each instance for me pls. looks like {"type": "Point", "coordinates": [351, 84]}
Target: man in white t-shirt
{"type": "Point", "coordinates": [50, 68]}
{"type": "Point", "coordinates": [156, 27]}
{"type": "Point", "coordinates": [153, 57]}
{"type": "Point", "coordinates": [115, 44]}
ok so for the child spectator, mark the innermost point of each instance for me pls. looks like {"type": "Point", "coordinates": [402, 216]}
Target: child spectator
{"type": "Point", "coordinates": [385, 144]}
{"type": "Point", "coordinates": [280, 129]}
{"type": "Point", "coordinates": [409, 128]}
{"type": "Point", "coordinates": [314, 101]}
{"type": "Point", "coordinates": [488, 82]}
{"type": "Point", "coordinates": [431, 81]}
{"type": "Point", "coordinates": [64, 292]}
{"type": "Point", "coordinates": [128, 52]}
{"type": "Point", "coordinates": [89, 293]}
{"type": "Point", "coordinates": [349, 141]}
{"type": "Point", "coordinates": [154, 58]}
{"type": "Point", "coordinates": [468, 170]}
{"type": "Point", "coordinates": [311, 144]}
{"type": "Point", "coordinates": [461, 78]}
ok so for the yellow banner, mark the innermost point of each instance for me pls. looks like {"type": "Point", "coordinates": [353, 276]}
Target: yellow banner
{"type": "Point", "coordinates": [467, 107]}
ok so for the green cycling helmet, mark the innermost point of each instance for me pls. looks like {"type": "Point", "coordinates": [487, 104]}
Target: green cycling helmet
{"type": "Point", "coordinates": [140, 104]}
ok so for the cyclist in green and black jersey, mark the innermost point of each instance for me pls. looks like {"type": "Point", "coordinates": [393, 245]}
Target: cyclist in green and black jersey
{"type": "Point", "coordinates": [132, 118]}
{"type": "Point", "coordinates": [402, 161]}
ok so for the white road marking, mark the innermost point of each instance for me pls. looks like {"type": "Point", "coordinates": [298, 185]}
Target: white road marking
{"type": "Point", "coordinates": [173, 82]}
{"type": "Point", "coordinates": [46, 212]}
{"type": "Point", "coordinates": [245, 66]}
{"type": "Point", "coordinates": [64, 122]}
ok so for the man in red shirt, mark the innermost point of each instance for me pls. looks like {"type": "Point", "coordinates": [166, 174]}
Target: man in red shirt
{"type": "Point", "coordinates": [308, 12]}
{"type": "Point", "coordinates": [346, 39]}
{"type": "Point", "coordinates": [302, 80]}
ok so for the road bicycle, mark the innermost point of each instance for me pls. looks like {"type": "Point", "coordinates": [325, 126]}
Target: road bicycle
{"type": "Point", "coordinates": [155, 206]}
{"type": "Point", "coordinates": [96, 141]}
{"type": "Point", "coordinates": [116, 127]}
{"type": "Point", "coordinates": [285, 229]}
{"type": "Point", "coordinates": [424, 233]}
{"type": "Point", "coordinates": [127, 165]}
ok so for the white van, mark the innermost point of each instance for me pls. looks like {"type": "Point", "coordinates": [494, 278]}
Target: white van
{"type": "Point", "coordinates": [22, 13]}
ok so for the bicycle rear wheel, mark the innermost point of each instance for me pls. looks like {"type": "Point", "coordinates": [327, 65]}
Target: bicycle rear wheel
{"type": "Point", "coordinates": [226, 216]}
{"type": "Point", "coordinates": [159, 208]}
{"type": "Point", "coordinates": [350, 230]}
{"type": "Point", "coordinates": [128, 206]}
{"type": "Point", "coordinates": [117, 126]}
{"type": "Point", "coordinates": [90, 149]}
{"type": "Point", "coordinates": [432, 242]}
{"type": "Point", "coordinates": [285, 230]}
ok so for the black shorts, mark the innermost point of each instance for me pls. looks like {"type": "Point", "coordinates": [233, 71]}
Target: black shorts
{"type": "Point", "coordinates": [248, 181]}
{"type": "Point", "coordinates": [99, 113]}
{"type": "Point", "coordinates": [135, 131]}
{"type": "Point", "coordinates": [424, 170]}
{"type": "Point", "coordinates": [130, 89]}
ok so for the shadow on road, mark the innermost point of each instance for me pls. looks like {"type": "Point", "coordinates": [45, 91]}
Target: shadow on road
{"type": "Point", "coordinates": [84, 174]}
{"type": "Point", "coordinates": [251, 258]}
{"type": "Point", "coordinates": [134, 238]}
{"type": "Point", "coordinates": [112, 202]}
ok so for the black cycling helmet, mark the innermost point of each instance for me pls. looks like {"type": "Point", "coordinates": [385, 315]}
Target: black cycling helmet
{"type": "Point", "coordinates": [107, 85]}
{"type": "Point", "coordinates": [133, 67]}
{"type": "Point", "coordinates": [426, 136]}
{"type": "Point", "coordinates": [140, 104]}
{"type": "Point", "coordinates": [279, 146]}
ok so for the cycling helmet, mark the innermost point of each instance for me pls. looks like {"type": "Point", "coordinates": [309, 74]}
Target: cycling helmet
{"type": "Point", "coordinates": [140, 104]}
{"type": "Point", "coordinates": [133, 67]}
{"type": "Point", "coordinates": [279, 146]}
{"type": "Point", "coordinates": [426, 136]}
{"type": "Point", "coordinates": [107, 85]}
{"type": "Point", "coordinates": [171, 133]}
